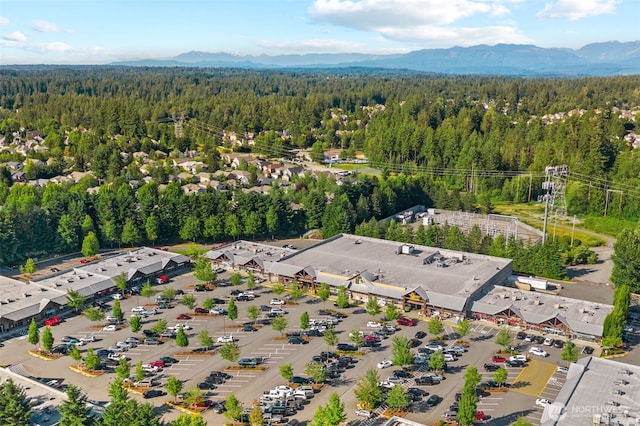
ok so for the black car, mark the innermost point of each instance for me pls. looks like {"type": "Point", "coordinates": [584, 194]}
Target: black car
{"type": "Point", "coordinates": [103, 353]}
{"type": "Point", "coordinates": [514, 363]}
{"type": "Point", "coordinates": [265, 308]}
{"type": "Point", "coordinates": [263, 321]}
{"type": "Point", "coordinates": [414, 343]}
{"type": "Point", "coordinates": [248, 328]}
{"type": "Point", "coordinates": [295, 340]}
{"type": "Point", "coordinates": [243, 298]}
{"type": "Point", "coordinates": [220, 374]}
{"type": "Point", "coordinates": [60, 349]}
{"type": "Point", "coordinates": [491, 367]}
{"type": "Point", "coordinates": [558, 343]}
{"type": "Point", "coordinates": [327, 355]}
{"type": "Point", "coordinates": [218, 407]}
{"type": "Point", "coordinates": [153, 393]}
{"type": "Point", "coordinates": [314, 332]}
{"type": "Point", "coordinates": [360, 311]}
{"type": "Point", "coordinates": [420, 335]}
{"type": "Point", "coordinates": [521, 335]}
{"type": "Point", "coordinates": [324, 312]}
{"type": "Point", "coordinates": [402, 374]}
{"type": "Point", "coordinates": [433, 400]}
{"type": "Point", "coordinates": [214, 380]}
{"type": "Point", "coordinates": [169, 360]}
{"type": "Point", "coordinates": [588, 350]}
{"type": "Point", "coordinates": [346, 347]}
{"type": "Point", "coordinates": [426, 381]}
{"type": "Point", "coordinates": [418, 391]}
{"type": "Point", "coordinates": [150, 333]}
{"type": "Point", "coordinates": [206, 386]}
{"type": "Point", "coordinates": [179, 292]}
{"type": "Point", "coordinates": [236, 292]}
{"type": "Point", "coordinates": [340, 315]}
{"type": "Point", "coordinates": [301, 380]}
{"type": "Point", "coordinates": [539, 340]}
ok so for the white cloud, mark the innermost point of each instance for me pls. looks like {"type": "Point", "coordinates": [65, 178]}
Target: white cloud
{"type": "Point", "coordinates": [577, 9]}
{"type": "Point", "coordinates": [324, 46]}
{"type": "Point", "coordinates": [421, 21]}
{"type": "Point", "coordinates": [4, 21]}
{"type": "Point", "coordinates": [464, 36]}
{"type": "Point", "coordinates": [16, 37]}
{"type": "Point", "coordinates": [47, 27]}
{"type": "Point", "coordinates": [370, 15]}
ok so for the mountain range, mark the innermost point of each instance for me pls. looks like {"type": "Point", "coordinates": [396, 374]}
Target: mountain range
{"type": "Point", "coordinates": [597, 59]}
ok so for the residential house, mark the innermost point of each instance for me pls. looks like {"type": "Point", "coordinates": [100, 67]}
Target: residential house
{"type": "Point", "coordinates": [203, 177]}
{"type": "Point", "coordinates": [18, 176]}
{"type": "Point", "coordinates": [290, 171]}
{"type": "Point", "coordinates": [192, 188]}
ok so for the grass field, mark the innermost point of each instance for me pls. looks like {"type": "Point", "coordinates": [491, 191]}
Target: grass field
{"type": "Point", "coordinates": [533, 214]}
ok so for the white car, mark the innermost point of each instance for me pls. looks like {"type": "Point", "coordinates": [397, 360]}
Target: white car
{"type": "Point", "coordinates": [138, 315]}
{"type": "Point", "coordinates": [373, 324]}
{"type": "Point", "coordinates": [110, 327]}
{"type": "Point", "coordinates": [138, 309]}
{"type": "Point", "coordinates": [385, 363]}
{"type": "Point", "coordinates": [537, 351]}
{"type": "Point", "coordinates": [217, 310]}
{"type": "Point", "coordinates": [151, 311]}
{"type": "Point", "coordinates": [127, 345]}
{"type": "Point", "coordinates": [276, 302]}
{"type": "Point", "coordinates": [116, 348]}
{"type": "Point", "coordinates": [117, 296]}
{"type": "Point", "coordinates": [542, 402]}
{"type": "Point", "coordinates": [116, 356]}
{"type": "Point", "coordinates": [278, 311]}
{"type": "Point", "coordinates": [177, 326]}
{"type": "Point", "coordinates": [88, 338]}
{"type": "Point", "coordinates": [363, 413]}
{"type": "Point", "coordinates": [548, 341]}
{"type": "Point", "coordinates": [150, 368]}
{"type": "Point", "coordinates": [386, 384]}
{"type": "Point", "coordinates": [225, 339]}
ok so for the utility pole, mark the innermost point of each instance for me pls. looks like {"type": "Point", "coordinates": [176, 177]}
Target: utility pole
{"type": "Point", "coordinates": [554, 199]}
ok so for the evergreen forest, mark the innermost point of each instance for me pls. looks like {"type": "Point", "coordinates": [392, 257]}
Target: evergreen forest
{"type": "Point", "coordinates": [452, 142]}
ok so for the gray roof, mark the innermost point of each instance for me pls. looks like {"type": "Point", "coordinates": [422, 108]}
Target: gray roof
{"type": "Point", "coordinates": [590, 389]}
{"type": "Point", "coordinates": [242, 251]}
{"type": "Point", "coordinates": [23, 300]}
{"type": "Point", "coordinates": [535, 308]}
{"type": "Point", "coordinates": [449, 286]}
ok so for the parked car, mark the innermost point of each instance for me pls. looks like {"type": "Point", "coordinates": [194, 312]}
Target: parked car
{"type": "Point", "coordinates": [548, 341]}
{"type": "Point", "coordinates": [587, 350]}
{"type": "Point", "coordinates": [491, 367]}
{"type": "Point", "coordinates": [295, 340]}
{"type": "Point", "coordinates": [200, 311]}
{"type": "Point", "coordinates": [498, 358]}
{"type": "Point", "coordinates": [153, 393]}
{"type": "Point", "coordinates": [206, 386]}
{"type": "Point", "coordinates": [248, 328]}
{"type": "Point", "coordinates": [247, 361]}
{"type": "Point", "coordinates": [169, 360]}
{"type": "Point", "coordinates": [521, 335]}
{"type": "Point", "coordinates": [373, 324]}
{"type": "Point", "coordinates": [277, 302]}
{"type": "Point", "coordinates": [537, 351]}
{"type": "Point", "coordinates": [152, 341]}
{"type": "Point", "coordinates": [407, 321]}
{"type": "Point", "coordinates": [426, 380]}
{"type": "Point", "coordinates": [52, 321]}
{"type": "Point", "coordinates": [301, 380]}
{"type": "Point", "coordinates": [138, 309]}
{"type": "Point", "coordinates": [420, 335]}
{"type": "Point", "coordinates": [157, 363]}
{"type": "Point", "coordinates": [89, 338]}
{"type": "Point", "coordinates": [225, 339]}
{"type": "Point", "coordinates": [562, 370]}
{"type": "Point", "coordinates": [363, 413]}
{"type": "Point", "coordinates": [558, 343]}
{"type": "Point", "coordinates": [542, 402]}
{"type": "Point", "coordinates": [346, 347]}
{"type": "Point", "coordinates": [110, 327]}
{"type": "Point", "coordinates": [117, 296]}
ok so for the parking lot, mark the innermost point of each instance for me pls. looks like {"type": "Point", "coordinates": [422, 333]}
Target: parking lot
{"type": "Point", "coordinates": [248, 385]}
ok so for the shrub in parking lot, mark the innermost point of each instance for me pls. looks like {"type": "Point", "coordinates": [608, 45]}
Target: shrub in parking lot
{"type": "Point", "coordinates": [331, 414]}
{"type": "Point", "coordinates": [435, 326]}
{"type": "Point", "coordinates": [174, 386]}
{"type": "Point", "coordinates": [280, 324]}
{"type": "Point", "coordinates": [91, 360]}
{"type": "Point", "coordinates": [463, 328]}
{"type": "Point", "coordinates": [135, 323]}
{"type": "Point", "coordinates": [367, 389]}
{"type": "Point", "coordinates": [75, 300]}
{"type": "Point", "coordinates": [436, 361]}
{"type": "Point", "coordinates": [147, 291]}
{"type": "Point", "coordinates": [205, 339]}
{"type": "Point", "coordinates": [33, 336]}
{"type": "Point", "coordinates": [255, 417]}
{"type": "Point", "coordinates": [169, 293]}
{"type": "Point", "coordinates": [75, 354]}
{"type": "Point", "coordinates": [121, 282]}
{"type": "Point", "coordinates": [116, 310]}
{"type": "Point", "coordinates": [521, 421]}
{"type": "Point", "coordinates": [139, 371]}
{"type": "Point", "coordinates": [230, 352]}
{"type": "Point", "coordinates": [208, 303]}
{"type": "Point", "coordinates": [569, 353]}
{"type": "Point", "coordinates": [401, 351]}
{"type": "Point", "coordinates": [286, 371]}
{"type": "Point", "coordinates": [251, 281]}
{"type": "Point", "coordinates": [278, 288]}
{"type": "Point", "coordinates": [182, 340]}
{"type": "Point", "coordinates": [397, 397]}
{"type": "Point", "coordinates": [330, 337]}
{"type": "Point", "coordinates": [304, 320]}
{"type": "Point", "coordinates": [188, 300]}
{"type": "Point", "coordinates": [253, 312]}
{"type": "Point", "coordinates": [14, 405]}
{"type": "Point", "coordinates": [342, 298]}
{"type": "Point", "coordinates": [235, 279]}
{"type": "Point", "coordinates": [391, 313]}
{"type": "Point", "coordinates": [202, 270]}
{"type": "Point", "coordinates": [94, 314]}
{"type": "Point", "coordinates": [296, 291]}
{"type": "Point", "coordinates": [160, 326]}
{"type": "Point", "coordinates": [316, 371]}
{"type": "Point", "coordinates": [233, 408]}
{"type": "Point", "coordinates": [123, 370]}
{"type": "Point", "coordinates": [355, 337]}
{"type": "Point", "coordinates": [504, 338]}
{"type": "Point", "coordinates": [188, 420]}
{"type": "Point", "coordinates": [47, 339]}
{"type": "Point", "coordinates": [500, 376]}
{"type": "Point", "coordinates": [372, 306]}
{"type": "Point", "coordinates": [232, 310]}
{"type": "Point", "coordinates": [324, 291]}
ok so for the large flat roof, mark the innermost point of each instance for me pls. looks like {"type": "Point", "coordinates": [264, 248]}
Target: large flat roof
{"type": "Point", "coordinates": [439, 271]}
{"type": "Point", "coordinates": [597, 386]}
{"type": "Point", "coordinates": [534, 307]}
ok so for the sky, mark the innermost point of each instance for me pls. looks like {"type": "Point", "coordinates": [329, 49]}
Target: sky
{"type": "Point", "coordinates": [104, 31]}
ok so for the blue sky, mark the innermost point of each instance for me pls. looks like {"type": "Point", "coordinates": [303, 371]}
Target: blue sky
{"type": "Point", "coordinates": [101, 31]}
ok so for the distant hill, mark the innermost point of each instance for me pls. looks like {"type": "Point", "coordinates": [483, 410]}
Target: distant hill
{"type": "Point", "coordinates": [597, 59]}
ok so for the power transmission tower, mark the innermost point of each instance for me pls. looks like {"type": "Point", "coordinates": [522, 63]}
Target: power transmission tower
{"type": "Point", "coordinates": [555, 200]}
{"type": "Point", "coordinates": [178, 121]}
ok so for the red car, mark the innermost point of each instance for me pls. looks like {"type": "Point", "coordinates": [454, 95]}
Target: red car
{"type": "Point", "coordinates": [498, 358]}
{"type": "Point", "coordinates": [200, 311]}
{"type": "Point", "coordinates": [52, 321]}
{"type": "Point", "coordinates": [371, 338]}
{"type": "Point", "coordinates": [183, 317]}
{"type": "Point", "coordinates": [157, 363]}
{"type": "Point", "coordinates": [83, 261]}
{"type": "Point", "coordinates": [407, 321]}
